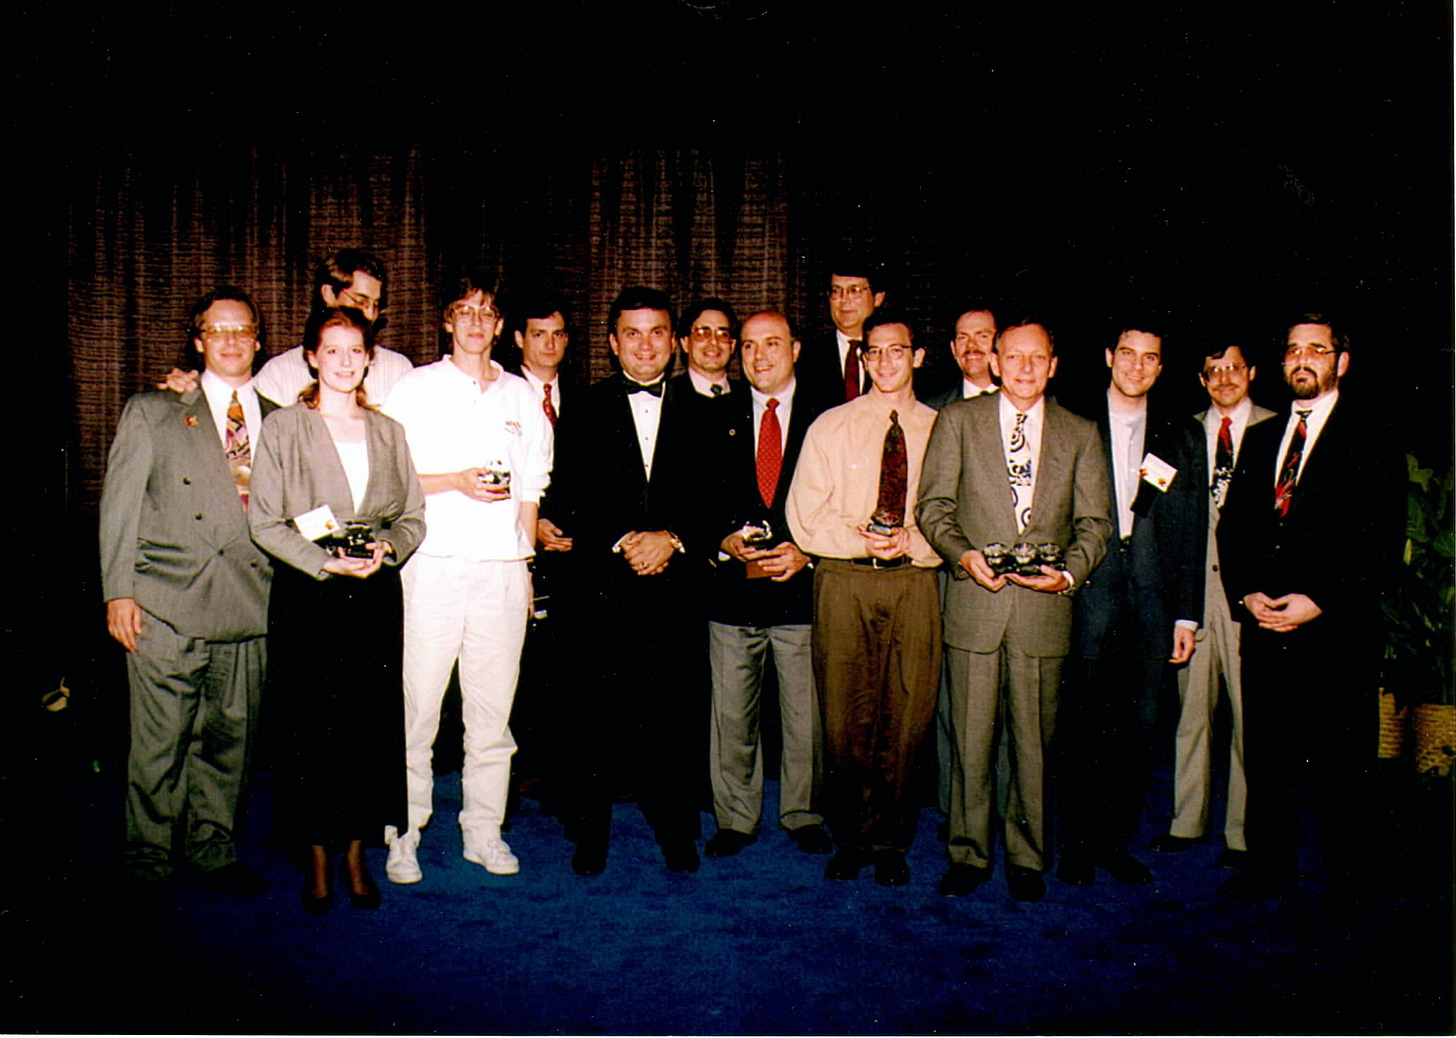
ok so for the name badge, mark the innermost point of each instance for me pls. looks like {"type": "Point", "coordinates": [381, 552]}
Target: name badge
{"type": "Point", "coordinates": [1156, 472]}
{"type": "Point", "coordinates": [319, 522]}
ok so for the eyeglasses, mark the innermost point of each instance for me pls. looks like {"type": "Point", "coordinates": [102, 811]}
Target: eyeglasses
{"type": "Point", "coordinates": [1296, 352]}
{"type": "Point", "coordinates": [702, 331]}
{"type": "Point", "coordinates": [482, 314]}
{"type": "Point", "coordinates": [848, 291]}
{"type": "Point", "coordinates": [874, 353]}
{"type": "Point", "coordinates": [358, 300]}
{"type": "Point", "coordinates": [218, 332]}
{"type": "Point", "coordinates": [1224, 371]}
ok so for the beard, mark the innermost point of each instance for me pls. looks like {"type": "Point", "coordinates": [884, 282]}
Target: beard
{"type": "Point", "coordinates": [1309, 390]}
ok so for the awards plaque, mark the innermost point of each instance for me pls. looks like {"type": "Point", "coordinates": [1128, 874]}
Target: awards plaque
{"type": "Point", "coordinates": [757, 533]}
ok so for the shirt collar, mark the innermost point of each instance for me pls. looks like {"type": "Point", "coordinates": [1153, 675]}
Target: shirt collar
{"type": "Point", "coordinates": [784, 398]}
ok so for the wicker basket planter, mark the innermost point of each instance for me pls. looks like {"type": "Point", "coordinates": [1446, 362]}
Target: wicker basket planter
{"type": "Point", "coordinates": [1435, 730]}
{"type": "Point", "coordinates": [1393, 726]}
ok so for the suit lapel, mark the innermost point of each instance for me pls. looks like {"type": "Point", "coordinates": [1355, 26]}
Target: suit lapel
{"type": "Point", "coordinates": [990, 454]}
{"type": "Point", "coordinates": [201, 435]}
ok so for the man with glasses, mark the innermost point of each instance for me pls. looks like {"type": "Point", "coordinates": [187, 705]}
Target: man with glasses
{"type": "Point", "coordinates": [187, 596]}
{"type": "Point", "coordinates": [832, 371]}
{"type": "Point", "coordinates": [348, 277]}
{"type": "Point", "coordinates": [707, 337]}
{"type": "Point", "coordinates": [876, 637]}
{"type": "Point", "coordinates": [1002, 470]}
{"type": "Point", "coordinates": [483, 449]}
{"type": "Point", "coordinates": [1226, 377]}
{"type": "Point", "coordinates": [1308, 536]}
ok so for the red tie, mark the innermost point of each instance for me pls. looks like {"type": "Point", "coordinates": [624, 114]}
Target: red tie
{"type": "Point", "coordinates": [851, 371]}
{"type": "Point", "coordinates": [1289, 471]}
{"type": "Point", "coordinates": [546, 404]}
{"type": "Point", "coordinates": [770, 453]}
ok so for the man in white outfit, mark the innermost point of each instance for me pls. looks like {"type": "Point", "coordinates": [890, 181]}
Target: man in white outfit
{"type": "Point", "coordinates": [483, 448]}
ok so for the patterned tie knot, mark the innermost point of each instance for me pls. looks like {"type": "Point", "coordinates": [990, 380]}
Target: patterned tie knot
{"type": "Point", "coordinates": [773, 403]}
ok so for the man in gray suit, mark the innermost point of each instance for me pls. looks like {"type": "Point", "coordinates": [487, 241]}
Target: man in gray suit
{"type": "Point", "coordinates": [187, 596]}
{"type": "Point", "coordinates": [1226, 376]}
{"type": "Point", "coordinates": [1009, 468]}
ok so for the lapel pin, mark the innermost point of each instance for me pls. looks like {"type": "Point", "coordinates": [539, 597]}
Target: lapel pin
{"type": "Point", "coordinates": [190, 419]}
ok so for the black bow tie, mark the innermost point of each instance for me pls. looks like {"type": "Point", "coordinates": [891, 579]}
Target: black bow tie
{"type": "Point", "coordinates": [633, 386]}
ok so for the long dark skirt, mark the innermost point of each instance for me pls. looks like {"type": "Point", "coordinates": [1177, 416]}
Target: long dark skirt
{"type": "Point", "coordinates": [336, 706]}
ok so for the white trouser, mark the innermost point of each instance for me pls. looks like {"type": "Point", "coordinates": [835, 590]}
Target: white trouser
{"type": "Point", "coordinates": [474, 612]}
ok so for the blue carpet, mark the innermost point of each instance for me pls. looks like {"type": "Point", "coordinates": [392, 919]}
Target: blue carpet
{"type": "Point", "coordinates": [755, 944]}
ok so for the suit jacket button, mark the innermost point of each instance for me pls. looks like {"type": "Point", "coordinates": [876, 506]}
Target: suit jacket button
{"type": "Point", "coordinates": [197, 516]}
{"type": "Point", "coordinates": [186, 481]}
{"type": "Point", "coordinates": [1215, 567]}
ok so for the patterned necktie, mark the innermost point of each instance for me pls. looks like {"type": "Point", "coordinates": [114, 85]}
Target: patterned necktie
{"type": "Point", "coordinates": [770, 452]}
{"type": "Point", "coordinates": [894, 476]}
{"type": "Point", "coordinates": [1289, 471]}
{"type": "Point", "coordinates": [547, 406]}
{"type": "Point", "coordinates": [1018, 472]}
{"type": "Point", "coordinates": [1223, 461]}
{"type": "Point", "coordinates": [239, 451]}
{"type": "Point", "coordinates": [852, 376]}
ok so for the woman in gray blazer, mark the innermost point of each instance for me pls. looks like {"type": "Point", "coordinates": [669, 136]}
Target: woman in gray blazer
{"type": "Point", "coordinates": [335, 497]}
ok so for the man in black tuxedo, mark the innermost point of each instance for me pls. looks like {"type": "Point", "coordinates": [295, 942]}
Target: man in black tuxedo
{"type": "Point", "coordinates": [761, 599]}
{"type": "Point", "coordinates": [1309, 537]}
{"type": "Point", "coordinates": [1139, 611]}
{"type": "Point", "coordinates": [624, 484]}
{"type": "Point", "coordinates": [829, 368]}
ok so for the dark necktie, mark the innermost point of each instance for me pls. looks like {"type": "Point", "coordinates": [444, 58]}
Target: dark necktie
{"type": "Point", "coordinates": [547, 406]}
{"type": "Point", "coordinates": [851, 371]}
{"type": "Point", "coordinates": [894, 476]}
{"type": "Point", "coordinates": [633, 386]}
{"type": "Point", "coordinates": [770, 452]}
{"type": "Point", "coordinates": [1223, 461]}
{"type": "Point", "coordinates": [239, 451]}
{"type": "Point", "coordinates": [716, 389]}
{"type": "Point", "coordinates": [1289, 471]}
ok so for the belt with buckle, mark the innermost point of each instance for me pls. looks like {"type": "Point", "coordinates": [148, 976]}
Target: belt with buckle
{"type": "Point", "coordinates": [874, 563]}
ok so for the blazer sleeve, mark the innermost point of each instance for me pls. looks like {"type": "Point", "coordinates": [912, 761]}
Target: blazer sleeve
{"type": "Point", "coordinates": [1091, 490]}
{"type": "Point", "coordinates": [407, 529]}
{"type": "Point", "coordinates": [1191, 531]}
{"type": "Point", "coordinates": [280, 457]}
{"type": "Point", "coordinates": [936, 511]}
{"type": "Point", "coordinates": [127, 469]}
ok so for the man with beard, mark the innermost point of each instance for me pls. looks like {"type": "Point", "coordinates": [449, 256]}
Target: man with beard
{"type": "Point", "coordinates": [1309, 536]}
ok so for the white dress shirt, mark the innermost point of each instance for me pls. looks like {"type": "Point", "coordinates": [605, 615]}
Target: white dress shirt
{"type": "Point", "coordinates": [1238, 424]}
{"type": "Point", "coordinates": [969, 390]}
{"type": "Point", "coordinates": [704, 386]}
{"type": "Point", "coordinates": [1319, 413]}
{"type": "Point", "coordinates": [646, 417]}
{"type": "Point", "coordinates": [539, 388]}
{"type": "Point", "coordinates": [783, 411]}
{"type": "Point", "coordinates": [219, 395]}
{"type": "Point", "coordinates": [1128, 432]}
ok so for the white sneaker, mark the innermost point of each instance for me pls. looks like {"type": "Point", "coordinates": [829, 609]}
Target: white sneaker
{"type": "Point", "coordinates": [494, 854]}
{"type": "Point", "coordinates": [402, 866]}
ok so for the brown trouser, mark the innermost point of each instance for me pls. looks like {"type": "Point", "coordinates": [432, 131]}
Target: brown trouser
{"type": "Point", "coordinates": [876, 648]}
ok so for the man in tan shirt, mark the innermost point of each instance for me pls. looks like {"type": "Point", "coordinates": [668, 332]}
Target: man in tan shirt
{"type": "Point", "coordinates": [876, 638]}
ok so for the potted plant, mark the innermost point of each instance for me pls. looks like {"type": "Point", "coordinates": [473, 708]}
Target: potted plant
{"type": "Point", "coordinates": [1418, 614]}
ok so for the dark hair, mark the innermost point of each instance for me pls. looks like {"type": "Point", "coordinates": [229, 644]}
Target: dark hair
{"type": "Point", "coordinates": [1022, 322]}
{"type": "Point", "coordinates": [885, 315]}
{"type": "Point", "coordinates": [335, 317]}
{"type": "Point", "coordinates": [853, 263]}
{"type": "Point", "coordinates": [229, 293]}
{"type": "Point", "coordinates": [1217, 352]}
{"type": "Point", "coordinates": [336, 270]}
{"type": "Point", "coordinates": [1338, 339]}
{"type": "Point", "coordinates": [537, 306]}
{"type": "Point", "coordinates": [468, 282]}
{"type": "Point", "coordinates": [638, 297]}
{"type": "Point", "coordinates": [691, 314]}
{"type": "Point", "coordinates": [974, 306]}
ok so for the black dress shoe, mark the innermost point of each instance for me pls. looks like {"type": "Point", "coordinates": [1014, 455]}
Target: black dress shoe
{"type": "Point", "coordinates": [1124, 868]}
{"type": "Point", "coordinates": [1076, 872]}
{"type": "Point", "coordinates": [891, 869]}
{"type": "Point", "coordinates": [369, 899]}
{"type": "Point", "coordinates": [589, 859]}
{"type": "Point", "coordinates": [1249, 885]}
{"type": "Point", "coordinates": [1025, 884]}
{"type": "Point", "coordinates": [845, 865]}
{"type": "Point", "coordinates": [235, 880]}
{"type": "Point", "coordinates": [1167, 843]}
{"type": "Point", "coordinates": [1232, 859]}
{"type": "Point", "coordinates": [681, 856]}
{"type": "Point", "coordinates": [314, 905]}
{"type": "Point", "coordinates": [727, 842]}
{"type": "Point", "coordinates": [960, 880]}
{"type": "Point", "coordinates": [812, 839]}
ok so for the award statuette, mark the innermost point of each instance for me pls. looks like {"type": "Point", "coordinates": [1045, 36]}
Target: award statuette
{"type": "Point", "coordinates": [998, 557]}
{"type": "Point", "coordinates": [1026, 559]}
{"type": "Point", "coordinates": [889, 514]}
{"type": "Point", "coordinates": [1051, 554]}
{"type": "Point", "coordinates": [496, 474]}
{"type": "Point", "coordinates": [355, 540]}
{"type": "Point", "coordinates": [758, 534]}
